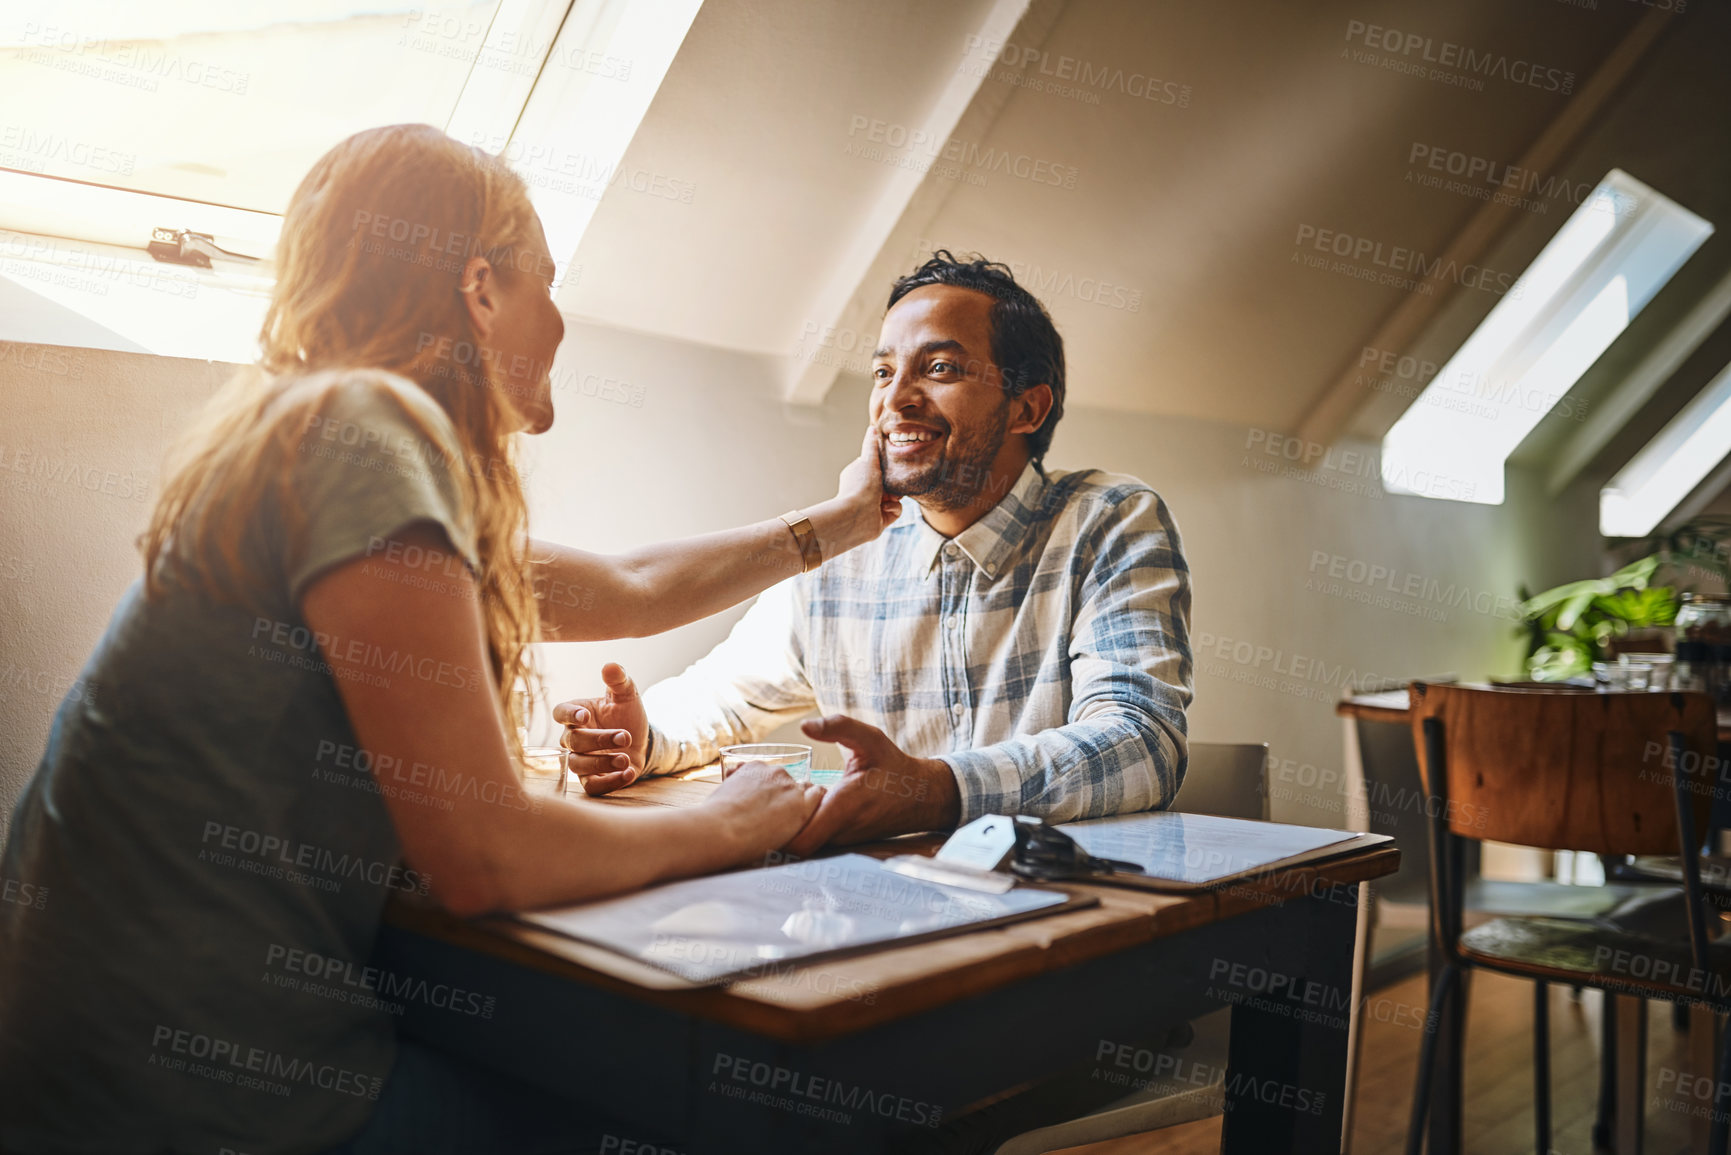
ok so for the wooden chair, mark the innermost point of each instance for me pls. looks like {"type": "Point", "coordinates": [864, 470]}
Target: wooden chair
{"type": "Point", "coordinates": [1628, 898]}
{"type": "Point", "coordinates": [1558, 771]}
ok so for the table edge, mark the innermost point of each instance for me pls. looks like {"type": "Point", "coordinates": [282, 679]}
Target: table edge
{"type": "Point", "coordinates": [505, 938]}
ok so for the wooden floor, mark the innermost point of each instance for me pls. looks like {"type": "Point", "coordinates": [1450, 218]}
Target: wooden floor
{"type": "Point", "coordinates": [1499, 1080]}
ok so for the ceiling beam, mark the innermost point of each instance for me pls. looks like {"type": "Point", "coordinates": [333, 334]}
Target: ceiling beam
{"type": "Point", "coordinates": [852, 297]}
{"type": "Point", "coordinates": [1340, 402]}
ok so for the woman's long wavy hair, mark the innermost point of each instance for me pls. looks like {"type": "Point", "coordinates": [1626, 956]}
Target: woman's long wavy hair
{"type": "Point", "coordinates": [373, 247]}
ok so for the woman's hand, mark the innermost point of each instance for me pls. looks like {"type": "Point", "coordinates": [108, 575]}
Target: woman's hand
{"type": "Point", "coordinates": [587, 597]}
{"type": "Point", "coordinates": [761, 808]}
{"type": "Point", "coordinates": [860, 509]}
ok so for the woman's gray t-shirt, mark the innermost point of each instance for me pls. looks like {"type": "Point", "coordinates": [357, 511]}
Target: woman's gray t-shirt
{"type": "Point", "coordinates": [205, 845]}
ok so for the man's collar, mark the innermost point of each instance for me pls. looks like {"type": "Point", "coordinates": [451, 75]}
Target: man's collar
{"type": "Point", "coordinates": [990, 541]}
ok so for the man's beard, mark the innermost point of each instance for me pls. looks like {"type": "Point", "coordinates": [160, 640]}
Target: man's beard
{"type": "Point", "coordinates": [955, 479]}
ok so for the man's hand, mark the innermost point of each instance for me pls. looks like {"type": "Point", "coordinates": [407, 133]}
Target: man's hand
{"type": "Point", "coordinates": [882, 791]}
{"type": "Point", "coordinates": [606, 736]}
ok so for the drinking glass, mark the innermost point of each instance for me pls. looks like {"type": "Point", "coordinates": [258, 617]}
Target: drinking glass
{"type": "Point", "coordinates": [1664, 671]}
{"type": "Point", "coordinates": [543, 770]}
{"type": "Point", "coordinates": [1636, 675]}
{"type": "Point", "coordinates": [793, 758]}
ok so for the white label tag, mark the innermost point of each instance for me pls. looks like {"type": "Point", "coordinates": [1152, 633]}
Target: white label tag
{"type": "Point", "coordinates": [983, 844]}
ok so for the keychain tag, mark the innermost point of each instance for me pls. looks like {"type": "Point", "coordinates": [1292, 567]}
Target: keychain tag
{"type": "Point", "coordinates": [973, 857]}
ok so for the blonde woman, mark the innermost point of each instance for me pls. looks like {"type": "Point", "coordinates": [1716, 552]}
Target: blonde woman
{"type": "Point", "coordinates": [306, 703]}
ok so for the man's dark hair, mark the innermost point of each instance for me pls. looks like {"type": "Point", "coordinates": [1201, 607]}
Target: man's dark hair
{"type": "Point", "coordinates": [1025, 343]}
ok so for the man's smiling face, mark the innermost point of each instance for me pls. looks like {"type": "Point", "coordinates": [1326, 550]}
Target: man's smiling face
{"type": "Point", "coordinates": [938, 398]}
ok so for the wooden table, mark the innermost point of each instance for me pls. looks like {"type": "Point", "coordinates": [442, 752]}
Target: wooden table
{"type": "Point", "coordinates": [1392, 706]}
{"type": "Point", "coordinates": [854, 1054]}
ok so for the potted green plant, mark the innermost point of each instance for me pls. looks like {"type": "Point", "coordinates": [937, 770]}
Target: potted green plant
{"type": "Point", "coordinates": [1574, 625]}
{"type": "Point", "coordinates": [1570, 627]}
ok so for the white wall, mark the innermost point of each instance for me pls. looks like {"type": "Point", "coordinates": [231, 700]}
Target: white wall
{"type": "Point", "coordinates": [658, 439]}
{"type": "Point", "coordinates": [82, 437]}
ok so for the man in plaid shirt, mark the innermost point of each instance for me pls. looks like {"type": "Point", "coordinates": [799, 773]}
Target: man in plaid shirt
{"type": "Point", "coordinates": [1018, 643]}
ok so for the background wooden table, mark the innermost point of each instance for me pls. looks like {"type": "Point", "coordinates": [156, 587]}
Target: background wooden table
{"type": "Point", "coordinates": [1393, 706]}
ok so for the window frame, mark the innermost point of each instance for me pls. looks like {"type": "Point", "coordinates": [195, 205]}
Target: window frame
{"type": "Point", "coordinates": [1426, 458]}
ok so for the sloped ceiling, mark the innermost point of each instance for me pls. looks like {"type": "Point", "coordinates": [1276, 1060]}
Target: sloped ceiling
{"type": "Point", "coordinates": [1170, 242]}
{"type": "Point", "coordinates": [755, 116]}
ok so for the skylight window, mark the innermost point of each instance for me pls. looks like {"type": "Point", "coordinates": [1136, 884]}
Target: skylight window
{"type": "Point", "coordinates": [570, 144]}
{"type": "Point", "coordinates": [1607, 261]}
{"type": "Point", "coordinates": [118, 118]}
{"type": "Point", "coordinates": [1670, 466]}
{"type": "Point", "coordinates": [226, 101]}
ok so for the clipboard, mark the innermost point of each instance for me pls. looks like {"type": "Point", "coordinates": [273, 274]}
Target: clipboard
{"type": "Point", "coordinates": [752, 923]}
{"type": "Point", "coordinates": [1180, 853]}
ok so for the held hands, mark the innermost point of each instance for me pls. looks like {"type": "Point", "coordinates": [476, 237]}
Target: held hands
{"type": "Point", "coordinates": [882, 791]}
{"type": "Point", "coordinates": [760, 808]}
{"type": "Point", "coordinates": [606, 737]}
